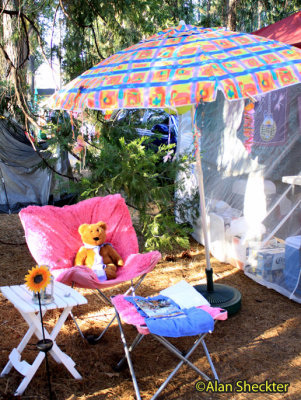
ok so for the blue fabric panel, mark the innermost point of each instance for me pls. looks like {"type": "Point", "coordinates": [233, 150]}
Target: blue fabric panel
{"type": "Point", "coordinates": [194, 321]}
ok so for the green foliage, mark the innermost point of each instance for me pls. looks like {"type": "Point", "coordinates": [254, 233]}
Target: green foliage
{"type": "Point", "coordinates": [60, 131]}
{"type": "Point", "coordinates": [250, 15]}
{"type": "Point", "coordinates": [8, 103]}
{"type": "Point", "coordinates": [97, 29]}
{"type": "Point", "coordinates": [120, 162]}
{"type": "Point", "coordinates": [162, 231]}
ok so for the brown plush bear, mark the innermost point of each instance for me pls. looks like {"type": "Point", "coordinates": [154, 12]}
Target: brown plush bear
{"type": "Point", "coordinates": [97, 254]}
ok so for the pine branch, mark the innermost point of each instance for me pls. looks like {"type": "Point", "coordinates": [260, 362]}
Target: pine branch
{"type": "Point", "coordinates": [81, 26]}
{"type": "Point", "coordinates": [70, 18]}
{"type": "Point", "coordinates": [47, 164]}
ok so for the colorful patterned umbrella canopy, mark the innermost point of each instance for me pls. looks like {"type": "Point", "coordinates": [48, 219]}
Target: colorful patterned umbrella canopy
{"type": "Point", "coordinates": [182, 66]}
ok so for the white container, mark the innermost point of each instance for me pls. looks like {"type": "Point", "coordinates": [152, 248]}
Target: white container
{"type": "Point", "coordinates": [217, 237]}
{"type": "Point", "coordinates": [238, 252]}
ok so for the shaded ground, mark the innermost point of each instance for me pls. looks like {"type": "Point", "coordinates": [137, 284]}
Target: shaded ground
{"type": "Point", "coordinates": [261, 342]}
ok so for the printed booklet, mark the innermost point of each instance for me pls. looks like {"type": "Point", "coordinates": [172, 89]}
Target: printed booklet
{"type": "Point", "coordinates": [159, 308]}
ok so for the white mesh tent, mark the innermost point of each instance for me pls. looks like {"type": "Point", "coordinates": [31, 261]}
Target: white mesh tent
{"type": "Point", "coordinates": [251, 164]}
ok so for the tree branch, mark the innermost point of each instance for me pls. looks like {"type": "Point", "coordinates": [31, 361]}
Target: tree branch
{"type": "Point", "coordinates": [47, 164]}
{"type": "Point", "coordinates": [72, 178]}
{"type": "Point", "coordinates": [39, 38]}
{"type": "Point", "coordinates": [21, 101]}
{"type": "Point", "coordinates": [2, 9]}
{"type": "Point", "coordinates": [95, 41]}
{"type": "Point", "coordinates": [70, 18]}
{"type": "Point", "coordinates": [27, 43]}
{"type": "Point", "coordinates": [96, 12]}
{"type": "Point", "coordinates": [52, 33]}
{"type": "Point", "coordinates": [6, 56]}
{"type": "Point", "coordinates": [22, 15]}
{"type": "Point", "coordinates": [81, 26]}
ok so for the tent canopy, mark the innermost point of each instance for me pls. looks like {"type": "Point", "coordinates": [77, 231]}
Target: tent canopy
{"type": "Point", "coordinates": [288, 30]}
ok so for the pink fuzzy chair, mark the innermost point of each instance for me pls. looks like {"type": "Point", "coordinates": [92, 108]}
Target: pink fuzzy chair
{"type": "Point", "coordinates": [52, 237]}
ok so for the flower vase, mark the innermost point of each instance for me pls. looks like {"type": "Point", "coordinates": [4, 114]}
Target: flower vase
{"type": "Point", "coordinates": [46, 295]}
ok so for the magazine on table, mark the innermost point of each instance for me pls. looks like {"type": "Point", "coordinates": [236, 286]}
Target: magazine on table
{"type": "Point", "coordinates": [158, 308]}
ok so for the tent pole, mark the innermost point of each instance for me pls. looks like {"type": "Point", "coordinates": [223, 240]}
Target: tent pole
{"type": "Point", "coordinates": [199, 173]}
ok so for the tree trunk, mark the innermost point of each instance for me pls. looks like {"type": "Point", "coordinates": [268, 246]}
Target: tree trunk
{"type": "Point", "coordinates": [17, 51]}
{"type": "Point", "coordinates": [225, 12]}
{"type": "Point", "coordinates": [208, 9]}
{"type": "Point", "coordinates": [7, 33]}
{"type": "Point", "coordinates": [231, 23]}
{"type": "Point", "coordinates": [259, 10]}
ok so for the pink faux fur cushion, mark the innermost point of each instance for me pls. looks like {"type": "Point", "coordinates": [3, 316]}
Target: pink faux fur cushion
{"type": "Point", "coordinates": [52, 237]}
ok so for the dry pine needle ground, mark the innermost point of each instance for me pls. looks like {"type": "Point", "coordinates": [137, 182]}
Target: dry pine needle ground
{"type": "Point", "coordinates": [262, 341]}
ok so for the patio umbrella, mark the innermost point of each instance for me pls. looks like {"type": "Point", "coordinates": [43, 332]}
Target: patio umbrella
{"type": "Point", "coordinates": [181, 66]}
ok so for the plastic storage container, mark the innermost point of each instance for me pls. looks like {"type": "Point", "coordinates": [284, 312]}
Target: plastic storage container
{"type": "Point", "coordinates": [267, 263]}
{"type": "Point", "coordinates": [292, 268]}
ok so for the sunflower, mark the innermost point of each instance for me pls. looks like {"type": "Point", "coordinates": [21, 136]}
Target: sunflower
{"type": "Point", "coordinates": [38, 278]}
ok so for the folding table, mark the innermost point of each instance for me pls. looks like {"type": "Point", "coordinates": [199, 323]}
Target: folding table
{"type": "Point", "coordinates": [64, 298]}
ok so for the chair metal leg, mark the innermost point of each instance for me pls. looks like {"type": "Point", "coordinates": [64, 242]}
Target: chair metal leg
{"type": "Point", "coordinates": [133, 286]}
{"type": "Point", "coordinates": [105, 298]}
{"type": "Point", "coordinates": [184, 359]}
{"type": "Point", "coordinates": [210, 360]}
{"type": "Point", "coordinates": [128, 356]}
{"type": "Point", "coordinates": [76, 324]}
{"type": "Point", "coordinates": [92, 339]}
{"type": "Point", "coordinates": [136, 341]}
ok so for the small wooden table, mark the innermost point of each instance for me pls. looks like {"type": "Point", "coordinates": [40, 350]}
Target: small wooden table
{"type": "Point", "coordinates": [65, 298]}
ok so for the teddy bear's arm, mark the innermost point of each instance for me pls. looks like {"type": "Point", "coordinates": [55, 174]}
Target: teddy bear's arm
{"type": "Point", "coordinates": [81, 256]}
{"type": "Point", "coordinates": [115, 257]}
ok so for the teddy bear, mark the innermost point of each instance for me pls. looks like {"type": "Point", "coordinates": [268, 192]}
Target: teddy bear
{"type": "Point", "coordinates": [96, 253]}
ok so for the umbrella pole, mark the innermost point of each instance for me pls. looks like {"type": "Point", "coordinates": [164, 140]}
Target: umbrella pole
{"type": "Point", "coordinates": [200, 179]}
{"type": "Point", "coordinates": [218, 295]}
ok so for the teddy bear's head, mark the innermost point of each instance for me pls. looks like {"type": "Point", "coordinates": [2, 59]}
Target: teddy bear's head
{"type": "Point", "coordinates": [94, 234]}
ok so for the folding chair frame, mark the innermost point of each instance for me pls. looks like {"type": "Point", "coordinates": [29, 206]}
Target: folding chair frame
{"type": "Point", "coordinates": [92, 339]}
{"type": "Point", "coordinates": [45, 224]}
{"type": "Point", "coordinates": [183, 357]}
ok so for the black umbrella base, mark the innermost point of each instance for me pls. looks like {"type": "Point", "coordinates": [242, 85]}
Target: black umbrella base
{"type": "Point", "coordinates": [222, 296]}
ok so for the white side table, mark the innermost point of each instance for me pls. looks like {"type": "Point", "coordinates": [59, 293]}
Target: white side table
{"type": "Point", "coordinates": [64, 298]}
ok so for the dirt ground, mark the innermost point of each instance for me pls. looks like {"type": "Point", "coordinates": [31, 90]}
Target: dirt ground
{"type": "Point", "coordinates": [261, 342]}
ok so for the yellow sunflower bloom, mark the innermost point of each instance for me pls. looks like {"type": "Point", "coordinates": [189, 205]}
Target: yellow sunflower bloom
{"type": "Point", "coordinates": [38, 278]}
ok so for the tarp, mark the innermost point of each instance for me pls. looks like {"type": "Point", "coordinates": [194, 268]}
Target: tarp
{"type": "Point", "coordinates": [288, 30]}
{"type": "Point", "coordinates": [23, 181]}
